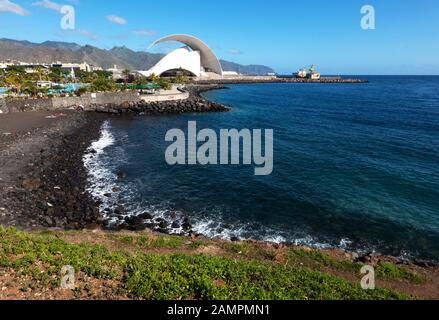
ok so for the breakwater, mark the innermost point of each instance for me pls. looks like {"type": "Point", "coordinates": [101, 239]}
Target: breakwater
{"type": "Point", "coordinates": [195, 103]}
{"type": "Point", "coordinates": [255, 80]}
{"type": "Point", "coordinates": [119, 103]}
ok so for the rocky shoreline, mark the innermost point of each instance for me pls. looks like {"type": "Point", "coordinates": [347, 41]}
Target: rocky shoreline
{"type": "Point", "coordinates": [44, 182]}
{"type": "Point", "coordinates": [47, 186]}
{"type": "Point", "coordinates": [195, 103]}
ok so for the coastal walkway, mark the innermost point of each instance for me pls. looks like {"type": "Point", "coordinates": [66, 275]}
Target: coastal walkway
{"type": "Point", "coordinates": [91, 99]}
{"type": "Point", "coordinates": [174, 94]}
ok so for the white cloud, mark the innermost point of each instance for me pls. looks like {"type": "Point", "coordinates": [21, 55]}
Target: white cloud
{"type": "Point", "coordinates": [116, 20]}
{"type": "Point", "coordinates": [8, 6]}
{"type": "Point", "coordinates": [234, 51]}
{"type": "Point", "coordinates": [88, 34]}
{"type": "Point", "coordinates": [144, 33]}
{"type": "Point", "coordinates": [48, 5]}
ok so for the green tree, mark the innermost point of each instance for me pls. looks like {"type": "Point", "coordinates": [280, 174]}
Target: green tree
{"type": "Point", "coordinates": [126, 74]}
{"type": "Point", "coordinates": [165, 84]}
{"type": "Point", "coordinates": [29, 88]}
{"type": "Point", "coordinates": [103, 84]}
{"type": "Point", "coordinates": [153, 78]}
{"type": "Point", "coordinates": [13, 81]}
{"type": "Point", "coordinates": [81, 91]}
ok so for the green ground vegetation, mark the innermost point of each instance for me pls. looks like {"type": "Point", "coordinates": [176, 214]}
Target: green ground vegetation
{"type": "Point", "coordinates": [150, 266]}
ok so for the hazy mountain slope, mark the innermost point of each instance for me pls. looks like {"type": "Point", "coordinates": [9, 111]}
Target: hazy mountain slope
{"type": "Point", "coordinates": [250, 69]}
{"type": "Point", "coordinates": [138, 60]}
{"type": "Point", "coordinates": [123, 57]}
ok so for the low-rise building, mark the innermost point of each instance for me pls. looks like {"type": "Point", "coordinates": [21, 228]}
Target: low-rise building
{"type": "Point", "coordinates": [117, 73]}
{"type": "Point", "coordinates": [75, 66]}
{"type": "Point", "coordinates": [230, 74]}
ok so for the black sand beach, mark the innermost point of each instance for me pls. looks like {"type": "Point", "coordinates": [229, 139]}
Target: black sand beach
{"type": "Point", "coordinates": [42, 181]}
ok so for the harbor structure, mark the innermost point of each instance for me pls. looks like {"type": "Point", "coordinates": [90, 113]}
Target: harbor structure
{"type": "Point", "coordinates": [312, 74]}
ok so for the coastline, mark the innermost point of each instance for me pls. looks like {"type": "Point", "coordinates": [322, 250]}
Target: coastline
{"type": "Point", "coordinates": [52, 181]}
{"type": "Point", "coordinates": [47, 187]}
{"type": "Point", "coordinates": [44, 192]}
{"type": "Point", "coordinates": [44, 184]}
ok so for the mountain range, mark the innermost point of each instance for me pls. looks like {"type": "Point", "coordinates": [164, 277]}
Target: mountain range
{"type": "Point", "coordinates": [123, 57]}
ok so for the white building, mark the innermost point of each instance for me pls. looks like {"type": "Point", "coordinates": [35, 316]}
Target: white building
{"type": "Point", "coordinates": [117, 73]}
{"type": "Point", "coordinates": [230, 74]}
{"type": "Point", "coordinates": [75, 66]}
{"type": "Point", "coordinates": [196, 57]}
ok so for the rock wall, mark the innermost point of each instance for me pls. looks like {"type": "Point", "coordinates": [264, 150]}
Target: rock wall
{"type": "Point", "coordinates": [94, 98]}
{"type": "Point", "coordinates": [162, 107]}
{"type": "Point", "coordinates": [122, 102]}
{"type": "Point", "coordinates": [59, 103]}
{"type": "Point", "coordinates": [188, 100]}
{"type": "Point", "coordinates": [195, 103]}
{"type": "Point", "coordinates": [22, 105]}
{"type": "Point", "coordinates": [3, 107]}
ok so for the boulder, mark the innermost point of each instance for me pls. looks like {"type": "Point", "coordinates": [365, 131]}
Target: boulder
{"type": "Point", "coordinates": [31, 184]}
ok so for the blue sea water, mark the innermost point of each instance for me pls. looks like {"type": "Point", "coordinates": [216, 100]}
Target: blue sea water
{"type": "Point", "coordinates": [355, 166]}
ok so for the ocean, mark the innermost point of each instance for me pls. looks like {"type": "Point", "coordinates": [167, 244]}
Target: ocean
{"type": "Point", "coordinates": [356, 166]}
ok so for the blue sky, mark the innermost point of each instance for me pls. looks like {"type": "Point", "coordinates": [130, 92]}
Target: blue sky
{"type": "Point", "coordinates": [283, 34]}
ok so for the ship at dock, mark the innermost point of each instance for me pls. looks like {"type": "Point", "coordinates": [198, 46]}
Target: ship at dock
{"type": "Point", "coordinates": [311, 74]}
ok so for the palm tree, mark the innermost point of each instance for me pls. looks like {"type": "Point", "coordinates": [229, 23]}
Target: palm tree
{"type": "Point", "coordinates": [153, 78]}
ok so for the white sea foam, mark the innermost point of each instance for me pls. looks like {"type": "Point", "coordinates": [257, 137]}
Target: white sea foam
{"type": "Point", "coordinates": [106, 139]}
{"type": "Point", "coordinates": [250, 231]}
{"type": "Point", "coordinates": [100, 177]}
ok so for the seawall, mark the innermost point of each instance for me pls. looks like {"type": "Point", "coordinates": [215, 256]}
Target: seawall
{"type": "Point", "coordinates": [60, 103]}
{"type": "Point", "coordinates": [188, 100]}
{"type": "Point", "coordinates": [254, 80]}
{"type": "Point", "coordinates": [194, 103]}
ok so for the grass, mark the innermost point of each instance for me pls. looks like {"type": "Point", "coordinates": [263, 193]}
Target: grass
{"type": "Point", "coordinates": [388, 270]}
{"type": "Point", "coordinates": [317, 260]}
{"type": "Point", "coordinates": [141, 271]}
{"type": "Point", "coordinates": [181, 276]}
{"type": "Point", "coordinates": [141, 242]}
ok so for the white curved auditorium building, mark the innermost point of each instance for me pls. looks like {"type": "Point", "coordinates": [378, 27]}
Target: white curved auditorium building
{"type": "Point", "coordinates": [195, 57]}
